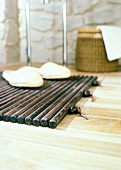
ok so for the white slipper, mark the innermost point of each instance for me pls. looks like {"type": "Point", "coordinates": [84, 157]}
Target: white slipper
{"type": "Point", "coordinates": [54, 71]}
{"type": "Point", "coordinates": [23, 77]}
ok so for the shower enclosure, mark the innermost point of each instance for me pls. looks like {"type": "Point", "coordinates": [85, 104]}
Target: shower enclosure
{"type": "Point", "coordinates": [28, 34]}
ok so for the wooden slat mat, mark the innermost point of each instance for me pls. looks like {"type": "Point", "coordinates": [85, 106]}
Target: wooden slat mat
{"type": "Point", "coordinates": [44, 106]}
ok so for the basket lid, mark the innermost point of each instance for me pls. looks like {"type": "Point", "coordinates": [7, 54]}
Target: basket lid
{"type": "Point", "coordinates": [89, 30]}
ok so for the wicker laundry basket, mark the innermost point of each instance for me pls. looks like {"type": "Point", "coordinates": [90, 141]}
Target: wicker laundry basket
{"type": "Point", "coordinates": [91, 54]}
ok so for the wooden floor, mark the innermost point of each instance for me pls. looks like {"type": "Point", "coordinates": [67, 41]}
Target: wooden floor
{"type": "Point", "coordinates": [76, 144]}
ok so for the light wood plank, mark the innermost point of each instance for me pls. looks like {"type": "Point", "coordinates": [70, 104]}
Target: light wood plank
{"type": "Point", "coordinates": [93, 144]}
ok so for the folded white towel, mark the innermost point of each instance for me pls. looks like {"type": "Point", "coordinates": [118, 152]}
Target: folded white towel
{"type": "Point", "coordinates": [112, 40]}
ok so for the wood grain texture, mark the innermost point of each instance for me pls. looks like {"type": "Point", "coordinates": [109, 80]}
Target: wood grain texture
{"type": "Point", "coordinates": [93, 144]}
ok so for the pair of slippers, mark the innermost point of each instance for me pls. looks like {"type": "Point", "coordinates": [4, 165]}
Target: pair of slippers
{"type": "Point", "coordinates": [33, 77]}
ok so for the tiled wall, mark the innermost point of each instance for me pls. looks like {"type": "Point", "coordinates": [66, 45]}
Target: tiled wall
{"type": "Point", "coordinates": [46, 26]}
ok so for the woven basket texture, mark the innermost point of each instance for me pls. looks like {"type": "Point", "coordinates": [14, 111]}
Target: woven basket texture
{"type": "Point", "coordinates": [91, 54]}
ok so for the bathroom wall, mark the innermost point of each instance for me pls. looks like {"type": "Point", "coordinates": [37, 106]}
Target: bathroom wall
{"type": "Point", "coordinates": [9, 34]}
{"type": "Point", "coordinates": [46, 26]}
